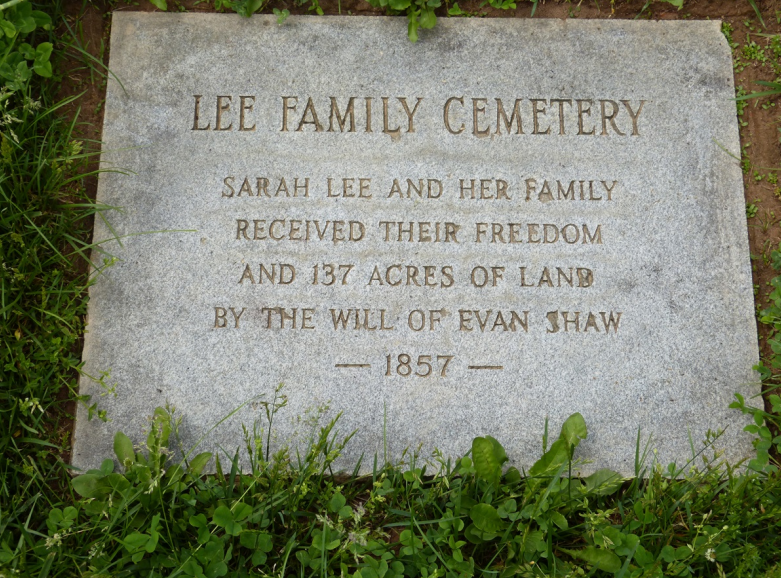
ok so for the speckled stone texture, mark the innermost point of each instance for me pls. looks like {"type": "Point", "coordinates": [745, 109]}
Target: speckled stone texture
{"type": "Point", "coordinates": [523, 244]}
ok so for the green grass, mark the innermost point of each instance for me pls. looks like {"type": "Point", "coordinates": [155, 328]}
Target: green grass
{"type": "Point", "coordinates": [44, 219]}
{"type": "Point", "coordinates": [287, 514]}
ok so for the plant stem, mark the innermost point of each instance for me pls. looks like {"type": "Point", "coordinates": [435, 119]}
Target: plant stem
{"type": "Point", "coordinates": [10, 4]}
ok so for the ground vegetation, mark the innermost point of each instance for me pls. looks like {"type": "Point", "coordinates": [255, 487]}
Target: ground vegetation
{"type": "Point", "coordinates": [146, 514]}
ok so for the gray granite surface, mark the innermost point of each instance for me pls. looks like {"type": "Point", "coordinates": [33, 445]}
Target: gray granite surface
{"type": "Point", "coordinates": [592, 258]}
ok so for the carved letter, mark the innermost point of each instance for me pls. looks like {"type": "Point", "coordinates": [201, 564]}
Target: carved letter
{"type": "Point", "coordinates": [245, 107]}
{"type": "Point", "coordinates": [341, 121]}
{"type": "Point", "coordinates": [609, 117]}
{"type": "Point", "coordinates": [447, 114]}
{"type": "Point", "coordinates": [582, 110]}
{"type": "Point", "coordinates": [198, 113]}
{"type": "Point", "coordinates": [634, 115]}
{"type": "Point", "coordinates": [501, 116]}
{"type": "Point", "coordinates": [221, 108]}
{"type": "Point", "coordinates": [536, 111]}
{"type": "Point", "coordinates": [410, 125]}
{"type": "Point", "coordinates": [228, 184]}
{"type": "Point", "coordinates": [561, 102]}
{"type": "Point", "coordinates": [385, 128]}
{"type": "Point", "coordinates": [478, 108]}
{"type": "Point", "coordinates": [285, 108]}
{"type": "Point", "coordinates": [310, 108]}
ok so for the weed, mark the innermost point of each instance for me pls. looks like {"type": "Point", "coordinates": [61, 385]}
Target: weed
{"type": "Point", "coordinates": [766, 423]}
{"type": "Point", "coordinates": [775, 90]}
{"type": "Point", "coordinates": [20, 59]}
{"type": "Point", "coordinates": [741, 104]}
{"type": "Point", "coordinates": [244, 8]}
{"type": "Point", "coordinates": [472, 516]}
{"type": "Point", "coordinates": [281, 15]}
{"type": "Point", "coordinates": [754, 53]}
{"type": "Point", "coordinates": [745, 160]}
{"type": "Point", "coordinates": [727, 30]}
{"type": "Point", "coordinates": [765, 439]}
{"type": "Point", "coordinates": [44, 224]}
{"type": "Point", "coordinates": [753, 4]}
{"type": "Point", "coordinates": [420, 13]}
{"type": "Point", "coordinates": [767, 220]}
{"type": "Point", "coordinates": [676, 3]}
{"type": "Point", "coordinates": [504, 4]}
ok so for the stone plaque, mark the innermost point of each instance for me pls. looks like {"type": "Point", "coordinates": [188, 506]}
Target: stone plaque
{"type": "Point", "coordinates": [509, 221]}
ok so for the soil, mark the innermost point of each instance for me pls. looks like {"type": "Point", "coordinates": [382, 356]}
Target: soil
{"type": "Point", "coordinates": [89, 21]}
